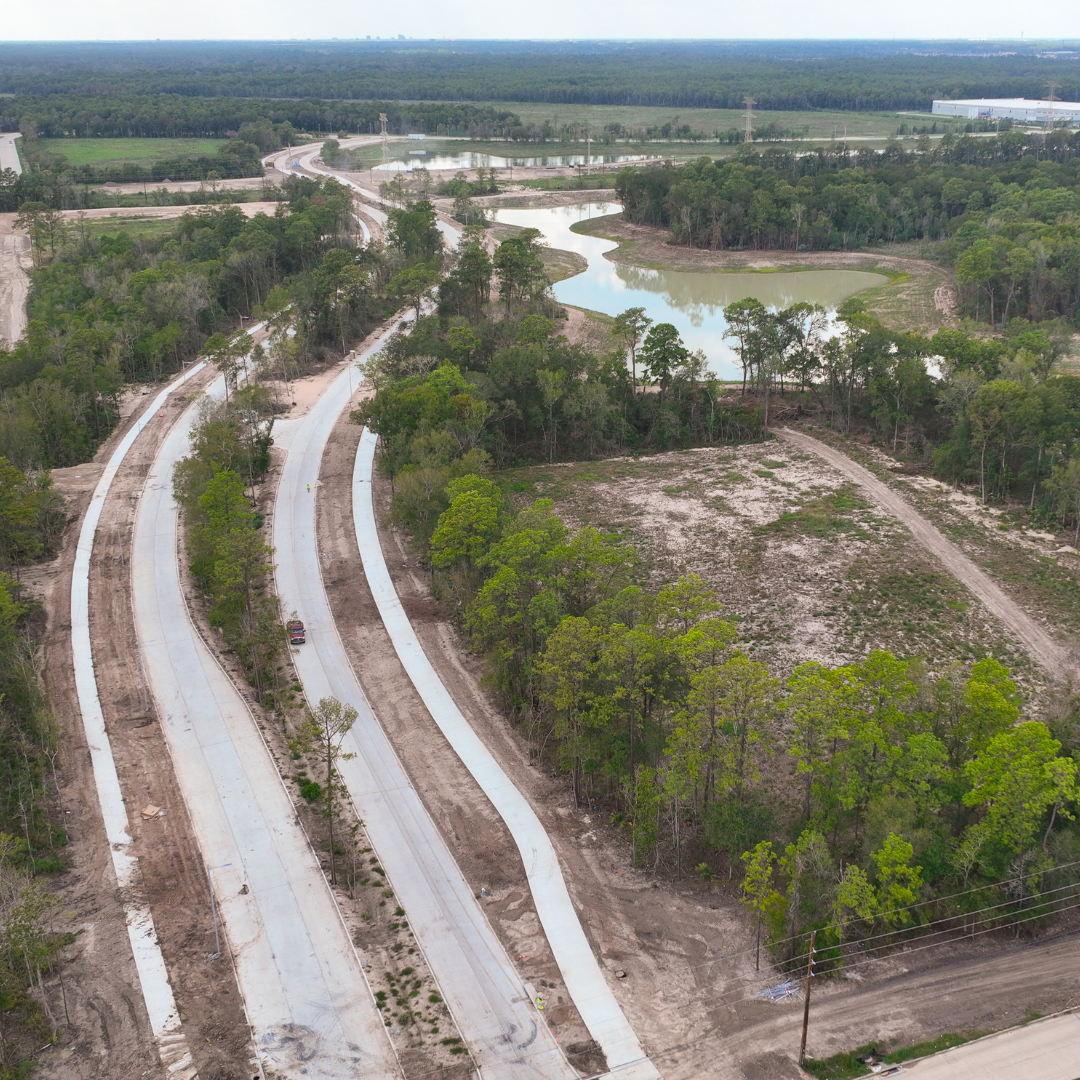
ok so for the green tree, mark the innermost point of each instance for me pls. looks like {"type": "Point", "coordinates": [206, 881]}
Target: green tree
{"type": "Point", "coordinates": [630, 327]}
{"type": "Point", "coordinates": [759, 892]}
{"type": "Point", "coordinates": [413, 283]}
{"type": "Point", "coordinates": [662, 354]}
{"type": "Point", "coordinates": [855, 899]}
{"type": "Point", "coordinates": [1017, 778]}
{"type": "Point", "coordinates": [898, 882]}
{"type": "Point", "coordinates": [322, 734]}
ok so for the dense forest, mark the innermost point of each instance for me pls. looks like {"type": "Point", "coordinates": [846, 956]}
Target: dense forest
{"type": "Point", "coordinates": [266, 122]}
{"type": "Point", "coordinates": [1007, 207]}
{"type": "Point", "coordinates": [780, 75]}
{"type": "Point", "coordinates": [109, 311]}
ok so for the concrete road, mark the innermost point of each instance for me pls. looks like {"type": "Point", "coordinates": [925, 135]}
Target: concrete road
{"type": "Point", "coordinates": [9, 153]}
{"type": "Point", "coordinates": [506, 1035]}
{"type": "Point", "coordinates": [1044, 1050]}
{"type": "Point", "coordinates": [308, 1002]}
{"type": "Point", "coordinates": [157, 992]}
{"type": "Point", "coordinates": [585, 982]}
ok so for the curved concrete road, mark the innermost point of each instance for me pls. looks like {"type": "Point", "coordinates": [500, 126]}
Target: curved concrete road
{"type": "Point", "coordinates": [1043, 649]}
{"type": "Point", "coordinates": [507, 1037]}
{"type": "Point", "coordinates": [307, 1000]}
{"type": "Point", "coordinates": [149, 963]}
{"type": "Point", "coordinates": [585, 982]}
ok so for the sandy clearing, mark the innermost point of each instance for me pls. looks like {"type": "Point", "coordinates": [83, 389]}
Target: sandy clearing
{"type": "Point", "coordinates": [1052, 656]}
{"type": "Point", "coordinates": [14, 285]}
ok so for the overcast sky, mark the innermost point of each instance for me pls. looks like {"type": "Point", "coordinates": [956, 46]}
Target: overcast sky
{"type": "Point", "coordinates": [67, 20]}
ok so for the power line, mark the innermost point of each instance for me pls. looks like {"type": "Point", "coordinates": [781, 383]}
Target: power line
{"type": "Point", "coordinates": [910, 908]}
{"type": "Point", "coordinates": [739, 991]}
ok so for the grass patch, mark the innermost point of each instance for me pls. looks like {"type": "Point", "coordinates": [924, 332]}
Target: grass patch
{"type": "Point", "coordinates": [824, 516]}
{"type": "Point", "coordinates": [132, 227]}
{"type": "Point", "coordinates": [105, 152]}
{"type": "Point", "coordinates": [844, 1065]}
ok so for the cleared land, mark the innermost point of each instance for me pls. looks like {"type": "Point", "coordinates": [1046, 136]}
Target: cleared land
{"type": "Point", "coordinates": [105, 152]}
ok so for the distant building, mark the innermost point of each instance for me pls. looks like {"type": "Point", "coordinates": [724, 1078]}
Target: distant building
{"type": "Point", "coordinates": [1023, 109]}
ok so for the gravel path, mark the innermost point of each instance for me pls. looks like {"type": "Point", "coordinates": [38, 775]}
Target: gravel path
{"type": "Point", "coordinates": [1049, 654]}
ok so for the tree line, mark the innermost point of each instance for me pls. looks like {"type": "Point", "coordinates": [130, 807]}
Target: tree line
{"type": "Point", "coordinates": [1005, 210]}
{"type": "Point", "coordinates": [793, 76]}
{"type": "Point", "coordinates": [914, 784]}
{"type": "Point", "coordinates": [107, 311]}
{"type": "Point", "coordinates": [172, 115]}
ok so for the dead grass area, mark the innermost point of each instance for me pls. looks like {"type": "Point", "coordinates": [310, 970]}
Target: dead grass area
{"type": "Point", "coordinates": [1039, 569]}
{"type": "Point", "coordinates": [918, 296]}
{"type": "Point", "coordinates": [803, 560]}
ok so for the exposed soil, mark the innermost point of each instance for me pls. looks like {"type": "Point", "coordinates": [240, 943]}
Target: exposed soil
{"type": "Point", "coordinates": [14, 280]}
{"type": "Point", "coordinates": [474, 832]}
{"type": "Point", "coordinates": [110, 1035]}
{"type": "Point", "coordinates": [1035, 638]}
{"type": "Point", "coordinates": [811, 567]}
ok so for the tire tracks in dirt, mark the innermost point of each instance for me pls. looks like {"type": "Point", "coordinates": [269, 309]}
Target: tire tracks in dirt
{"type": "Point", "coordinates": [112, 1035]}
{"type": "Point", "coordinates": [1052, 656]}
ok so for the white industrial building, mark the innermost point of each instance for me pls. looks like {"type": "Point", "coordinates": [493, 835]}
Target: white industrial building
{"type": "Point", "coordinates": [1024, 109]}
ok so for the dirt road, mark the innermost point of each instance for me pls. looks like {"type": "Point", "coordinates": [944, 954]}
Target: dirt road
{"type": "Point", "coordinates": [1049, 654]}
{"type": "Point", "coordinates": [14, 281]}
{"type": "Point", "coordinates": [111, 1032]}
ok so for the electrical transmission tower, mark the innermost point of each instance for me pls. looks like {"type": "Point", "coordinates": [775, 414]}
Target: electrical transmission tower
{"type": "Point", "coordinates": [1047, 114]}
{"type": "Point", "coordinates": [748, 135]}
{"type": "Point", "coordinates": [385, 138]}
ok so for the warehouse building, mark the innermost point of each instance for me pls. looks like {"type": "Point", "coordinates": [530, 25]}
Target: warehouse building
{"type": "Point", "coordinates": [1025, 110]}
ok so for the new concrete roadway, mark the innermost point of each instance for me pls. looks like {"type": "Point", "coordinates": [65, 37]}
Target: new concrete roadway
{"type": "Point", "coordinates": [585, 982]}
{"type": "Point", "coordinates": [1044, 1050]}
{"type": "Point", "coordinates": [504, 1032]}
{"type": "Point", "coordinates": [311, 1011]}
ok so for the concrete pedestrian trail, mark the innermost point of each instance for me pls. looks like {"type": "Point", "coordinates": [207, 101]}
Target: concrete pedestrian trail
{"type": "Point", "coordinates": [585, 982]}
{"type": "Point", "coordinates": [311, 1011]}
{"type": "Point", "coordinates": [501, 1027]}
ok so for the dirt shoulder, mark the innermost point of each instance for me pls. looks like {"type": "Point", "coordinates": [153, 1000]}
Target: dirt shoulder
{"type": "Point", "coordinates": [110, 1035]}
{"type": "Point", "coordinates": [14, 281]}
{"type": "Point", "coordinates": [921, 294]}
{"type": "Point", "coordinates": [476, 835]}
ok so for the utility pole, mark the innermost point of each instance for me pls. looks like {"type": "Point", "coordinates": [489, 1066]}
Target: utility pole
{"type": "Point", "coordinates": [385, 139]}
{"type": "Point", "coordinates": [806, 999]}
{"type": "Point", "coordinates": [748, 122]}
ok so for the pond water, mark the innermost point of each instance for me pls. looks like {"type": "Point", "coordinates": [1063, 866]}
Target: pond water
{"type": "Point", "coordinates": [433, 160]}
{"type": "Point", "coordinates": [692, 301]}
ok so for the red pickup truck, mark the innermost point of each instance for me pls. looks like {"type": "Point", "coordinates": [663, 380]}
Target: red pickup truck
{"type": "Point", "coordinates": [296, 632]}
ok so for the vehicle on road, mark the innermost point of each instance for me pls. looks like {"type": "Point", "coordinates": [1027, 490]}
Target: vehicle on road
{"type": "Point", "coordinates": [297, 635]}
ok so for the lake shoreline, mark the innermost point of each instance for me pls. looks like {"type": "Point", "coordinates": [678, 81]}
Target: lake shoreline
{"type": "Point", "coordinates": [916, 297]}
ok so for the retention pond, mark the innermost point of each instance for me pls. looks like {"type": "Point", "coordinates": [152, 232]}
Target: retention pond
{"type": "Point", "coordinates": [692, 301]}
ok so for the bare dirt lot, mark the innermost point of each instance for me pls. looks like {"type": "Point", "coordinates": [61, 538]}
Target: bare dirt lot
{"type": "Point", "coordinates": [687, 948]}
{"type": "Point", "coordinates": [14, 281]}
{"type": "Point", "coordinates": [811, 566]}
{"type": "Point", "coordinates": [109, 1034]}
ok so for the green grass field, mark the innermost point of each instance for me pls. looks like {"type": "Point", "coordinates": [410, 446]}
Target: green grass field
{"type": "Point", "coordinates": [821, 124]}
{"type": "Point", "coordinates": [106, 152]}
{"type": "Point", "coordinates": [132, 227]}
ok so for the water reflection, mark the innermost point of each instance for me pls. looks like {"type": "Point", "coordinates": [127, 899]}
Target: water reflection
{"type": "Point", "coordinates": [693, 302]}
